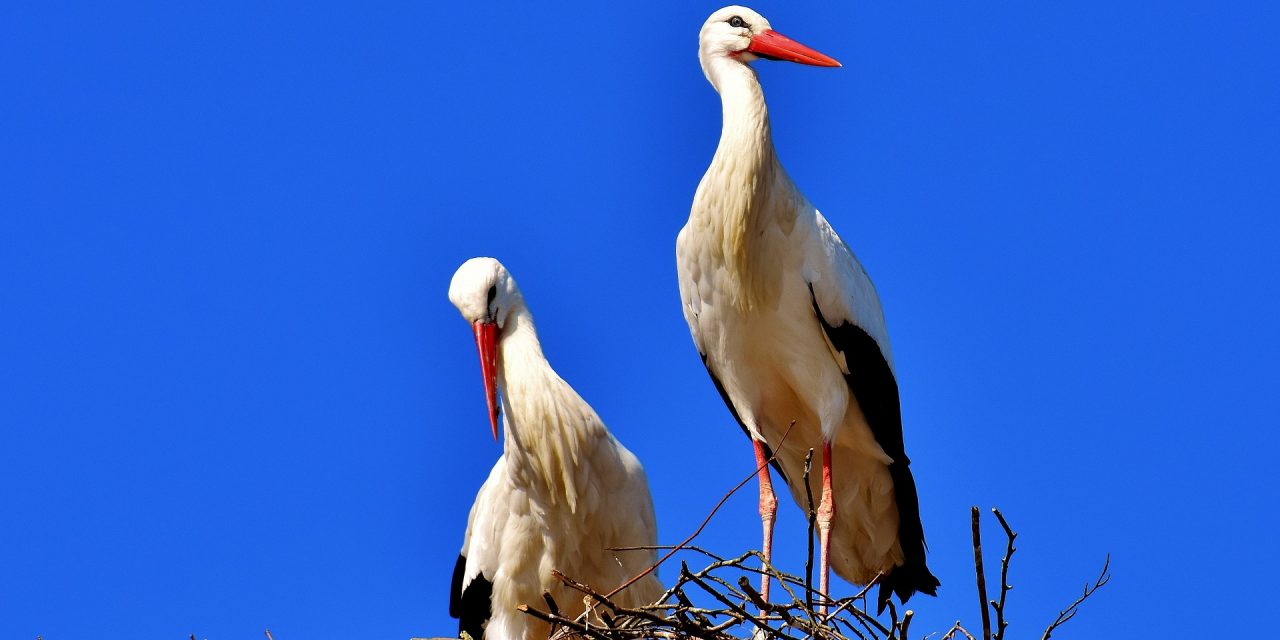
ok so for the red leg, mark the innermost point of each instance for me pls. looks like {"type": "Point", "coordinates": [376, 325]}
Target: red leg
{"type": "Point", "coordinates": [826, 511]}
{"type": "Point", "coordinates": [768, 511]}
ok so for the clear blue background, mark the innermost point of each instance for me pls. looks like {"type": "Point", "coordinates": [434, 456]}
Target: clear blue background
{"type": "Point", "coordinates": [233, 394]}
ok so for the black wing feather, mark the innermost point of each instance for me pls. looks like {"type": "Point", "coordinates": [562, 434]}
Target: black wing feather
{"type": "Point", "coordinates": [873, 385]}
{"type": "Point", "coordinates": [472, 607]}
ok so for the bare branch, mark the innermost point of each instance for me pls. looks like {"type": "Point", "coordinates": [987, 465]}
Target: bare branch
{"type": "Point", "coordinates": [813, 519]}
{"type": "Point", "coordinates": [706, 520]}
{"type": "Point", "coordinates": [554, 620]}
{"type": "Point", "coordinates": [906, 622]}
{"type": "Point", "coordinates": [975, 521]}
{"type": "Point", "coordinates": [956, 628]}
{"type": "Point", "coordinates": [1001, 623]}
{"type": "Point", "coordinates": [769, 631]}
{"type": "Point", "coordinates": [1070, 612]}
{"type": "Point", "coordinates": [719, 602]}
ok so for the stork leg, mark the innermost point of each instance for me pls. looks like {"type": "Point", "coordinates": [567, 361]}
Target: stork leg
{"type": "Point", "coordinates": [768, 512]}
{"type": "Point", "coordinates": [826, 511]}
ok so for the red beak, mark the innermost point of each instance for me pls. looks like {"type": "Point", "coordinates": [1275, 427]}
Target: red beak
{"type": "Point", "coordinates": [775, 46]}
{"type": "Point", "coordinates": [487, 343]}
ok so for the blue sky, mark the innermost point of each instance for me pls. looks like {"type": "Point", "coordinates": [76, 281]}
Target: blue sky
{"type": "Point", "coordinates": [235, 396]}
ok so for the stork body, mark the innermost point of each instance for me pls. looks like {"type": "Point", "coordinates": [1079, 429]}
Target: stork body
{"type": "Point", "coordinates": [790, 328]}
{"type": "Point", "coordinates": [564, 492]}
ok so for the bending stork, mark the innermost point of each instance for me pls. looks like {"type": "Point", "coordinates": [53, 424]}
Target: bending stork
{"type": "Point", "coordinates": [563, 493]}
{"type": "Point", "coordinates": [790, 328]}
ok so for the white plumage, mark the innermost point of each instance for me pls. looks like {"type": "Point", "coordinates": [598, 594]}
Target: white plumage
{"type": "Point", "coordinates": [562, 494]}
{"type": "Point", "coordinates": [790, 327]}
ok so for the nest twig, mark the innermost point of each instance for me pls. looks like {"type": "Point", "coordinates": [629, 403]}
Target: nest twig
{"type": "Point", "coordinates": [726, 612]}
{"type": "Point", "coordinates": [720, 602]}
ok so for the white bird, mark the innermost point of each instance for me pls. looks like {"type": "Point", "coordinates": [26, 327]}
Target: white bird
{"type": "Point", "coordinates": [561, 496]}
{"type": "Point", "coordinates": [790, 328]}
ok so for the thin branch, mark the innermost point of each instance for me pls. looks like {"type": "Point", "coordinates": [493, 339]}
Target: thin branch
{"type": "Point", "coordinates": [813, 518]}
{"type": "Point", "coordinates": [552, 607]}
{"type": "Point", "coordinates": [771, 632]}
{"type": "Point", "coordinates": [726, 583]}
{"type": "Point", "coordinates": [654, 566]}
{"type": "Point", "coordinates": [1001, 623]}
{"type": "Point", "coordinates": [906, 622]}
{"type": "Point", "coordinates": [582, 588]}
{"type": "Point", "coordinates": [893, 619]}
{"type": "Point", "coordinates": [974, 517]}
{"type": "Point", "coordinates": [956, 628]}
{"type": "Point", "coordinates": [560, 620]}
{"type": "Point", "coordinates": [1071, 611]}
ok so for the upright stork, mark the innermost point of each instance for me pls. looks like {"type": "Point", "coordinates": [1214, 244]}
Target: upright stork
{"type": "Point", "coordinates": [790, 328]}
{"type": "Point", "coordinates": [563, 494]}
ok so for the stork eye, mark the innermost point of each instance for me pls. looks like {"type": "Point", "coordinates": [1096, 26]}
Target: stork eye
{"type": "Point", "coordinates": [493, 293]}
{"type": "Point", "coordinates": [737, 22]}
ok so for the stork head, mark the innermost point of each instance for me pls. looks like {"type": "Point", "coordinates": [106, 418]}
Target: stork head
{"type": "Point", "coordinates": [738, 33]}
{"type": "Point", "coordinates": [485, 293]}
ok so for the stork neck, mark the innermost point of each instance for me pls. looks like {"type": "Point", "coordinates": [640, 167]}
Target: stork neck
{"type": "Point", "coordinates": [523, 373]}
{"type": "Point", "coordinates": [744, 189]}
{"type": "Point", "coordinates": [521, 360]}
{"type": "Point", "coordinates": [546, 424]}
{"type": "Point", "coordinates": [746, 141]}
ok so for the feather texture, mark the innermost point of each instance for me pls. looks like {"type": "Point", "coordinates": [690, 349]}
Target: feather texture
{"type": "Point", "coordinates": [790, 327]}
{"type": "Point", "coordinates": [563, 493]}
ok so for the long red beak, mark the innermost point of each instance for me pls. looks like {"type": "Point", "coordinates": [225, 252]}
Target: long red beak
{"type": "Point", "coordinates": [775, 46]}
{"type": "Point", "coordinates": [487, 343]}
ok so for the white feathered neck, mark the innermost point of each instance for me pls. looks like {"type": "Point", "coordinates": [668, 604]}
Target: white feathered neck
{"type": "Point", "coordinates": [745, 189]}
{"type": "Point", "coordinates": [547, 427]}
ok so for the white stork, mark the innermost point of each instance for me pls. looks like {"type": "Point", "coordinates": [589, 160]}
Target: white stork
{"type": "Point", "coordinates": [562, 494]}
{"type": "Point", "coordinates": [790, 328]}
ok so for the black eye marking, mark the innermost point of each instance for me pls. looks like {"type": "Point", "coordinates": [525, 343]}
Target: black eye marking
{"type": "Point", "coordinates": [493, 293]}
{"type": "Point", "coordinates": [737, 22]}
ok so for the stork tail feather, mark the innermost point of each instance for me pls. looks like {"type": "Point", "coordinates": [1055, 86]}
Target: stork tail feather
{"type": "Point", "coordinates": [912, 575]}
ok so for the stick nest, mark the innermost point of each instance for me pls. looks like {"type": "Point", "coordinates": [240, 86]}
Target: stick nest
{"type": "Point", "coordinates": [719, 602]}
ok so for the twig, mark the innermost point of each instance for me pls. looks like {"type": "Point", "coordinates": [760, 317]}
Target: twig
{"type": "Point", "coordinates": [601, 599]}
{"type": "Point", "coordinates": [893, 619]}
{"type": "Point", "coordinates": [664, 547]}
{"type": "Point", "coordinates": [786, 586]}
{"type": "Point", "coordinates": [1001, 623]}
{"type": "Point", "coordinates": [862, 616]}
{"type": "Point", "coordinates": [582, 588]}
{"type": "Point", "coordinates": [974, 517]}
{"type": "Point", "coordinates": [561, 620]}
{"type": "Point", "coordinates": [654, 566]}
{"type": "Point", "coordinates": [268, 632]}
{"type": "Point", "coordinates": [1070, 612]}
{"type": "Point", "coordinates": [742, 611]}
{"type": "Point", "coordinates": [906, 622]}
{"type": "Point", "coordinates": [956, 628]}
{"type": "Point", "coordinates": [684, 571]}
{"type": "Point", "coordinates": [813, 518]}
{"type": "Point", "coordinates": [551, 603]}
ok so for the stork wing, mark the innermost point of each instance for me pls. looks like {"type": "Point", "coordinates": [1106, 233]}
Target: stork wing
{"type": "Point", "coordinates": [842, 291]}
{"type": "Point", "coordinates": [845, 303]}
{"type": "Point", "coordinates": [471, 590]}
{"type": "Point", "coordinates": [690, 274]}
